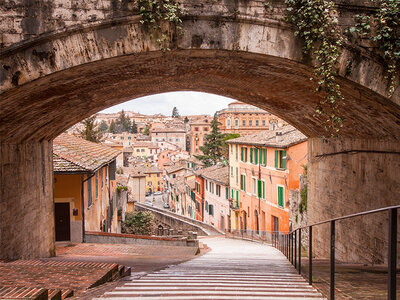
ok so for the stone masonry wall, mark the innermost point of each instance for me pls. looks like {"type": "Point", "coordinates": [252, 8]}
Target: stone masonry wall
{"type": "Point", "coordinates": [348, 176]}
{"type": "Point", "coordinates": [296, 218]}
{"type": "Point", "coordinates": [26, 201]}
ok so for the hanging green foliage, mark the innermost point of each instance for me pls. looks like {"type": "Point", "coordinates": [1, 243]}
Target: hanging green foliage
{"type": "Point", "coordinates": [316, 24]}
{"type": "Point", "coordinates": [383, 29]}
{"type": "Point", "coordinates": [154, 12]}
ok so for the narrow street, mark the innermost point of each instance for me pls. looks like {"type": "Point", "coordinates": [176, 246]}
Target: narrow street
{"type": "Point", "coordinates": [233, 269]}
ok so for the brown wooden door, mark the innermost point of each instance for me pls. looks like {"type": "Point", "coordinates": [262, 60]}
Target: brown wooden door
{"type": "Point", "coordinates": [62, 221]}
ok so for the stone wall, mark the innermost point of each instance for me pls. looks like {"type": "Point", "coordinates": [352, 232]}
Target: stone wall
{"type": "Point", "coordinates": [173, 221]}
{"type": "Point", "coordinates": [26, 201]}
{"type": "Point", "coordinates": [296, 218]}
{"type": "Point", "coordinates": [348, 176]}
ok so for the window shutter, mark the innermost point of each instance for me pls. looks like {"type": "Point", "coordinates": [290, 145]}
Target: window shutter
{"type": "Point", "coordinates": [276, 159]}
{"type": "Point", "coordinates": [259, 189]}
{"type": "Point", "coordinates": [89, 185]}
{"type": "Point", "coordinates": [241, 154]}
{"type": "Point", "coordinates": [284, 160]}
{"type": "Point", "coordinates": [256, 156]}
{"type": "Point", "coordinates": [263, 184]}
{"type": "Point", "coordinates": [251, 155]}
{"type": "Point", "coordinates": [280, 196]}
{"type": "Point", "coordinates": [265, 157]}
{"type": "Point", "coordinates": [245, 154]}
{"type": "Point", "coordinates": [261, 153]}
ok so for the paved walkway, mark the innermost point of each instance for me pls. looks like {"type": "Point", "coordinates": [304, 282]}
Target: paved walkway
{"type": "Point", "coordinates": [233, 269]}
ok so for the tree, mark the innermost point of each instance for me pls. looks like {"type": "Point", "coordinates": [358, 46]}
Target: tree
{"type": "Point", "coordinates": [112, 127]}
{"type": "Point", "coordinates": [90, 130]}
{"type": "Point", "coordinates": [123, 123]}
{"type": "Point", "coordinates": [225, 146]}
{"type": "Point", "coordinates": [133, 128]}
{"type": "Point", "coordinates": [146, 130]}
{"type": "Point", "coordinates": [140, 223]}
{"type": "Point", "coordinates": [186, 120]}
{"type": "Point", "coordinates": [213, 146]}
{"type": "Point", "coordinates": [103, 127]}
{"type": "Point", "coordinates": [175, 113]}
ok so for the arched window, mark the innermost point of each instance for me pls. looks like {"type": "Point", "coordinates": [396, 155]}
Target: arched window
{"type": "Point", "coordinates": [236, 123]}
{"type": "Point", "coordinates": [228, 123]}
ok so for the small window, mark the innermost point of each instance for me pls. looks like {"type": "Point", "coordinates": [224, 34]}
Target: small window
{"type": "Point", "coordinates": [257, 123]}
{"type": "Point", "coordinates": [263, 123]}
{"type": "Point", "coordinates": [244, 123]}
{"type": "Point", "coordinates": [211, 210]}
{"type": "Point", "coordinates": [250, 122]}
{"type": "Point", "coordinates": [280, 159]}
{"type": "Point", "coordinates": [218, 190]}
{"type": "Point", "coordinates": [243, 182]}
{"type": "Point", "coordinates": [236, 123]}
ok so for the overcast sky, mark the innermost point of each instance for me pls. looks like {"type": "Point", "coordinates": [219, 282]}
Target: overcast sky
{"type": "Point", "coordinates": [188, 103]}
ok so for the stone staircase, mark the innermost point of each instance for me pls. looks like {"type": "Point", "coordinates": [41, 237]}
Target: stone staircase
{"type": "Point", "coordinates": [54, 279]}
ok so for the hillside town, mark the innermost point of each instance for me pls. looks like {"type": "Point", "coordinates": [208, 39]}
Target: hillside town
{"type": "Point", "coordinates": [170, 163]}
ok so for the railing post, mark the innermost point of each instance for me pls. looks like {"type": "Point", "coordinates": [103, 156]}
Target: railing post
{"type": "Point", "coordinates": [290, 248]}
{"type": "Point", "coordinates": [310, 255]}
{"type": "Point", "coordinates": [392, 254]}
{"type": "Point", "coordinates": [332, 263]}
{"type": "Point", "coordinates": [300, 251]}
{"type": "Point", "coordinates": [295, 249]}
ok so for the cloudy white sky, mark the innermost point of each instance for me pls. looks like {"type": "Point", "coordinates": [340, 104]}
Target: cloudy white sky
{"type": "Point", "coordinates": [188, 103]}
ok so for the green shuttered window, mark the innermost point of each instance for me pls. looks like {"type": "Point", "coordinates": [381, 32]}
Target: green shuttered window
{"type": "Point", "coordinates": [280, 196]}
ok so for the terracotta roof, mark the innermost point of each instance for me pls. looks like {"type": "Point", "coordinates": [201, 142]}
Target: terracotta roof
{"type": "Point", "coordinates": [218, 173]}
{"type": "Point", "coordinates": [74, 154]}
{"type": "Point", "coordinates": [168, 130]}
{"type": "Point", "coordinates": [144, 144]}
{"type": "Point", "coordinates": [289, 136]}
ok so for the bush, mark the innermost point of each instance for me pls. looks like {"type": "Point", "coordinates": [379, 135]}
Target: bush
{"type": "Point", "coordinates": [139, 223]}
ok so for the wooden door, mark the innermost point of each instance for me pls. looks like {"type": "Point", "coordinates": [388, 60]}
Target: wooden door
{"type": "Point", "coordinates": [62, 222]}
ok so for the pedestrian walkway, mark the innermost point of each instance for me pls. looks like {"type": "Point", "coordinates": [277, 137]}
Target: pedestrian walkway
{"type": "Point", "coordinates": [233, 269]}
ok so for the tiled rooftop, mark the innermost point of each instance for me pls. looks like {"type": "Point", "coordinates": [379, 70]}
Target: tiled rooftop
{"type": "Point", "coordinates": [219, 173]}
{"type": "Point", "coordinates": [289, 136]}
{"type": "Point", "coordinates": [73, 154]}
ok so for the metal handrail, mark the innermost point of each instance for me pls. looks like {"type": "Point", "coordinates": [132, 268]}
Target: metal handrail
{"type": "Point", "coordinates": [290, 245]}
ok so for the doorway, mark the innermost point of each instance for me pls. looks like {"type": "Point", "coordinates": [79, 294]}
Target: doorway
{"type": "Point", "coordinates": [62, 222]}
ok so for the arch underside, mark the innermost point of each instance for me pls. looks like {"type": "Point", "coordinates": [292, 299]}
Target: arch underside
{"type": "Point", "coordinates": [43, 108]}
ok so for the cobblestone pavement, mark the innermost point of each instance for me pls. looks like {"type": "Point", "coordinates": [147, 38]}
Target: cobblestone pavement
{"type": "Point", "coordinates": [233, 269]}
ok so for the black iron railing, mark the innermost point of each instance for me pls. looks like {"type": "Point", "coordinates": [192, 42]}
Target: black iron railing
{"type": "Point", "coordinates": [290, 245]}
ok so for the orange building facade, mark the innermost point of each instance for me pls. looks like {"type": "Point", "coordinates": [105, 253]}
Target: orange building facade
{"type": "Point", "coordinates": [246, 119]}
{"type": "Point", "coordinates": [269, 165]}
{"type": "Point", "coordinates": [199, 129]}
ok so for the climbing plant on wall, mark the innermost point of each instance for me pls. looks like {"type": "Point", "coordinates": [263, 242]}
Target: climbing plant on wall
{"type": "Point", "coordinates": [155, 12]}
{"type": "Point", "coordinates": [316, 24]}
{"type": "Point", "coordinates": [383, 29]}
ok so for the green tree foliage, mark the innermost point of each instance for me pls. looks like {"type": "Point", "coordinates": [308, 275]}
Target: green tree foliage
{"type": "Point", "coordinates": [227, 137]}
{"type": "Point", "coordinates": [146, 130]}
{"type": "Point", "coordinates": [112, 128]}
{"type": "Point", "coordinates": [213, 148]}
{"type": "Point", "coordinates": [186, 120]}
{"type": "Point", "coordinates": [317, 25]}
{"type": "Point", "coordinates": [175, 113]}
{"type": "Point", "coordinates": [90, 130]}
{"type": "Point", "coordinates": [123, 123]}
{"type": "Point", "coordinates": [103, 127]}
{"type": "Point", "coordinates": [139, 223]}
{"type": "Point", "coordinates": [383, 29]}
{"type": "Point", "coordinates": [133, 127]}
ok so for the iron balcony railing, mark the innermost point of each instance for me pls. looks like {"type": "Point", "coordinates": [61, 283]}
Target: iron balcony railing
{"type": "Point", "coordinates": [290, 245]}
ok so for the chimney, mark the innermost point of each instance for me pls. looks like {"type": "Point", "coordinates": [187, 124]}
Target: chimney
{"type": "Point", "coordinates": [279, 136]}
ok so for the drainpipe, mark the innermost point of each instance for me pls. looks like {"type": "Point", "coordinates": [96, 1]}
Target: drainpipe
{"type": "Point", "coordinates": [83, 205]}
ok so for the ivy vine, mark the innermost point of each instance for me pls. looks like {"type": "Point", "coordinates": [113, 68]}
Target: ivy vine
{"type": "Point", "coordinates": [155, 12]}
{"type": "Point", "coordinates": [383, 29]}
{"type": "Point", "coordinates": [316, 23]}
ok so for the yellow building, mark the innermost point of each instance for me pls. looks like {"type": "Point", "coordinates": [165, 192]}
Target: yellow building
{"type": "Point", "coordinates": [84, 186]}
{"type": "Point", "coordinates": [154, 180]}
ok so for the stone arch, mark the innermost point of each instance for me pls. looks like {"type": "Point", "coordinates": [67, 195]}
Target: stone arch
{"type": "Point", "coordinates": [65, 73]}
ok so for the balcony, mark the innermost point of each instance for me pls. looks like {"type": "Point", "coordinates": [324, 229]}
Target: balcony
{"type": "Point", "coordinates": [233, 204]}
